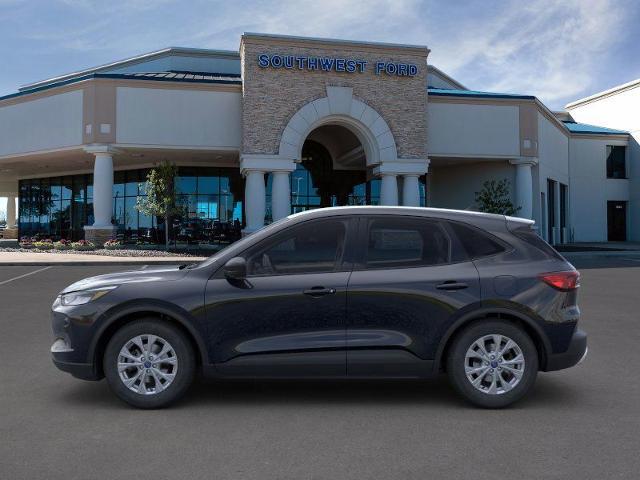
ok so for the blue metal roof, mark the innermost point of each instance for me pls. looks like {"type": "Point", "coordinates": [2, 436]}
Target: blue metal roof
{"type": "Point", "coordinates": [445, 92]}
{"type": "Point", "coordinates": [188, 77]}
{"type": "Point", "coordinates": [575, 127]}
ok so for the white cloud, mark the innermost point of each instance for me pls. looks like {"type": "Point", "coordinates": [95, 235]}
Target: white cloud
{"type": "Point", "coordinates": [548, 48]}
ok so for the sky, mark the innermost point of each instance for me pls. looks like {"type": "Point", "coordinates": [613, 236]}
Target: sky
{"type": "Point", "coordinates": [557, 50]}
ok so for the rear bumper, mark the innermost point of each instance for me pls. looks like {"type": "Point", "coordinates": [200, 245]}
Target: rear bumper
{"type": "Point", "coordinates": [575, 353]}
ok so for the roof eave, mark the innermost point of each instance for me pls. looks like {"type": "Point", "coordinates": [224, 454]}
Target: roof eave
{"type": "Point", "coordinates": [603, 94]}
{"type": "Point", "coordinates": [130, 61]}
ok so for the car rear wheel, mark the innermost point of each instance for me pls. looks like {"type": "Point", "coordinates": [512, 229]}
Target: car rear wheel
{"type": "Point", "coordinates": [492, 363]}
{"type": "Point", "coordinates": [149, 363]}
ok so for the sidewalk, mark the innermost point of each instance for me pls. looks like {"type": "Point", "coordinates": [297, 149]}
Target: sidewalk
{"type": "Point", "coordinates": [36, 259]}
{"type": "Point", "coordinates": [600, 247]}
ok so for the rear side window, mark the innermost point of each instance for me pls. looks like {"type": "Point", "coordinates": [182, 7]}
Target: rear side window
{"type": "Point", "coordinates": [532, 238]}
{"type": "Point", "coordinates": [475, 242]}
{"type": "Point", "coordinates": [406, 242]}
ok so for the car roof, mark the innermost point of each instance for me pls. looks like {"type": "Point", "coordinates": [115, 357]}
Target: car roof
{"type": "Point", "coordinates": [388, 210]}
{"type": "Point", "coordinates": [476, 218]}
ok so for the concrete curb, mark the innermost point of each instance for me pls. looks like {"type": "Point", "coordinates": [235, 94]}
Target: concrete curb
{"type": "Point", "coordinates": [610, 253]}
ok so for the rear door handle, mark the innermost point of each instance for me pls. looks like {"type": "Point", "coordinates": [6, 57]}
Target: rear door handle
{"type": "Point", "coordinates": [319, 291]}
{"type": "Point", "coordinates": [452, 285]}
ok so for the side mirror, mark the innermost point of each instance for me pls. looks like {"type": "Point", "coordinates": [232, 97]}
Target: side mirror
{"type": "Point", "coordinates": [235, 269]}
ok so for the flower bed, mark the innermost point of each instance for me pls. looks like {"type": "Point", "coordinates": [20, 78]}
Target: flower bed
{"type": "Point", "coordinates": [106, 252]}
{"type": "Point", "coordinates": [113, 245]}
{"type": "Point", "coordinates": [43, 244]}
{"type": "Point", "coordinates": [62, 245]}
{"type": "Point", "coordinates": [112, 248]}
{"type": "Point", "coordinates": [83, 245]}
{"type": "Point", "coordinates": [26, 242]}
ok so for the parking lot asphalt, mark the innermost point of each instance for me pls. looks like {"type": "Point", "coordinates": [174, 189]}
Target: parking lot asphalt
{"type": "Point", "coordinates": [581, 423]}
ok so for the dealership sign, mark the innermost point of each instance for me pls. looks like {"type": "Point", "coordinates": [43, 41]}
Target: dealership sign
{"type": "Point", "coordinates": [334, 64]}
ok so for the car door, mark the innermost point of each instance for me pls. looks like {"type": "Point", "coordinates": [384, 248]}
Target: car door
{"type": "Point", "coordinates": [409, 282]}
{"type": "Point", "coordinates": [289, 318]}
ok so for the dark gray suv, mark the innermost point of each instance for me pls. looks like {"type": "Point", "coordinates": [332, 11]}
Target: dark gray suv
{"type": "Point", "coordinates": [355, 292]}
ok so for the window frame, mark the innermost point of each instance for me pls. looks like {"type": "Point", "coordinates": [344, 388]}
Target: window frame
{"type": "Point", "coordinates": [345, 264]}
{"type": "Point", "coordinates": [606, 163]}
{"type": "Point", "coordinates": [360, 261]}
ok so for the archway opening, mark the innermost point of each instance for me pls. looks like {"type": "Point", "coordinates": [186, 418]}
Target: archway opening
{"type": "Point", "coordinates": [332, 171]}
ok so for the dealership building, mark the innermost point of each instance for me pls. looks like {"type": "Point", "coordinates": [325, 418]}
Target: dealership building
{"type": "Point", "coordinates": [288, 123]}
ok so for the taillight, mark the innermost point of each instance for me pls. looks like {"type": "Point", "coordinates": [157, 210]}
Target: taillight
{"type": "Point", "coordinates": [564, 281]}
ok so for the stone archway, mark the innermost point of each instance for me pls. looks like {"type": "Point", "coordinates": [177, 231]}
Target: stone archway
{"type": "Point", "coordinates": [339, 107]}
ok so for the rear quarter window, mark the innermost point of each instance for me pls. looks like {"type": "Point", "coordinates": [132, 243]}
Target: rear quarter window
{"type": "Point", "coordinates": [529, 236]}
{"type": "Point", "coordinates": [476, 242]}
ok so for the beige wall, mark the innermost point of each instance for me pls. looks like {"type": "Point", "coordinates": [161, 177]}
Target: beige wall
{"type": "Point", "coordinates": [473, 129]}
{"type": "Point", "coordinates": [172, 117]}
{"type": "Point", "coordinates": [45, 123]}
{"type": "Point", "coordinates": [272, 96]}
{"type": "Point", "coordinates": [454, 186]}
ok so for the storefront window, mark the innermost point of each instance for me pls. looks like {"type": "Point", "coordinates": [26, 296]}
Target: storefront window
{"type": "Point", "coordinates": [211, 199]}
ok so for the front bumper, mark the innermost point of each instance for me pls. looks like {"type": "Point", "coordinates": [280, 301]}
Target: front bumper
{"type": "Point", "coordinates": [72, 332]}
{"type": "Point", "coordinates": [83, 371]}
{"type": "Point", "coordinates": [576, 352]}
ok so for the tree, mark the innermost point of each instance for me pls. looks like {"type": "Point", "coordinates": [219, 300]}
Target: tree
{"type": "Point", "coordinates": [160, 199]}
{"type": "Point", "coordinates": [495, 198]}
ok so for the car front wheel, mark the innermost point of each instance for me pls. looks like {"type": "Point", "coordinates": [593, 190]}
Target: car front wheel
{"type": "Point", "coordinates": [149, 363]}
{"type": "Point", "coordinates": [492, 363]}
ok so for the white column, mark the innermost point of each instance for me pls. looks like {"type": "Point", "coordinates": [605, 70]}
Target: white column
{"type": "Point", "coordinates": [11, 211]}
{"type": "Point", "coordinates": [410, 191]}
{"type": "Point", "coordinates": [103, 190]}
{"type": "Point", "coordinates": [255, 200]}
{"type": "Point", "coordinates": [389, 189]}
{"type": "Point", "coordinates": [280, 195]}
{"type": "Point", "coordinates": [524, 187]}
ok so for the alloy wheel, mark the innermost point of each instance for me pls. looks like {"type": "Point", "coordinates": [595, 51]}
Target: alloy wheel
{"type": "Point", "coordinates": [147, 364]}
{"type": "Point", "coordinates": [494, 364]}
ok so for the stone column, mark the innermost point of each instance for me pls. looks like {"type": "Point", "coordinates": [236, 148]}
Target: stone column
{"type": "Point", "coordinates": [524, 186]}
{"type": "Point", "coordinates": [389, 189]}
{"type": "Point", "coordinates": [102, 228]}
{"type": "Point", "coordinates": [254, 166]}
{"type": "Point", "coordinates": [255, 200]}
{"type": "Point", "coordinates": [280, 195]}
{"type": "Point", "coordinates": [411, 190]}
{"type": "Point", "coordinates": [410, 170]}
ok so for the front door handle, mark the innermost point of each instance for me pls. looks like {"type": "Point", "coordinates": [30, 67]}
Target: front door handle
{"type": "Point", "coordinates": [452, 285]}
{"type": "Point", "coordinates": [319, 291]}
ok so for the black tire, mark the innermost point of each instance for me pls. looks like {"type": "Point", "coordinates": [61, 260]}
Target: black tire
{"type": "Point", "coordinates": [456, 363]}
{"type": "Point", "coordinates": [186, 365]}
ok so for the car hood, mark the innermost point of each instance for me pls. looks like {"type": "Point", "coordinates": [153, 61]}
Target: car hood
{"type": "Point", "coordinates": [158, 274]}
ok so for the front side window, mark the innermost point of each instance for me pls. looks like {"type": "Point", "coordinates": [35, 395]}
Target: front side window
{"type": "Point", "coordinates": [616, 165]}
{"type": "Point", "coordinates": [313, 247]}
{"type": "Point", "coordinates": [406, 242]}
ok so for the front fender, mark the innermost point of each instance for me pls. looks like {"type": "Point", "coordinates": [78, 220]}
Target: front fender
{"type": "Point", "coordinates": [149, 306]}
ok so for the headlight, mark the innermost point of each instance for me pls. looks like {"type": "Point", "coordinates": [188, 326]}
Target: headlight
{"type": "Point", "coordinates": [83, 296]}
